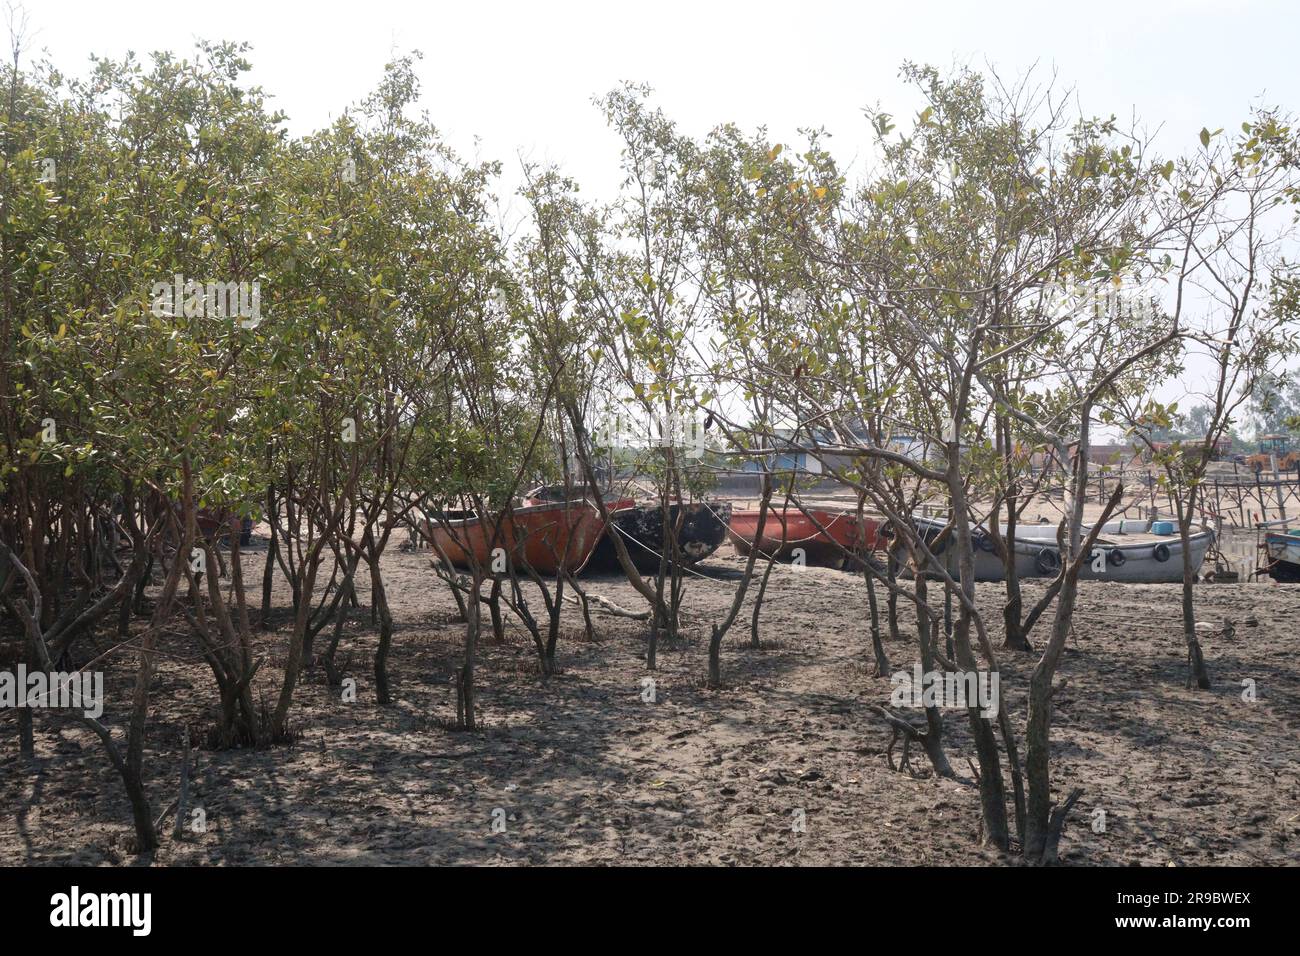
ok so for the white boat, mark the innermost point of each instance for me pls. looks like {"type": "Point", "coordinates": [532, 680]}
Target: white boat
{"type": "Point", "coordinates": [1126, 550]}
{"type": "Point", "coordinates": [988, 566]}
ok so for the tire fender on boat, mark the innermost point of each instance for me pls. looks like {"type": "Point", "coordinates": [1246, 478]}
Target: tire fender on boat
{"type": "Point", "coordinates": [1048, 561]}
{"type": "Point", "coordinates": [985, 542]}
{"type": "Point", "coordinates": [1115, 558]}
{"type": "Point", "coordinates": [1161, 553]}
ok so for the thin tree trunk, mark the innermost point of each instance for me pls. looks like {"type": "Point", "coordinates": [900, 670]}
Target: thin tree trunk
{"type": "Point", "coordinates": [720, 631]}
{"type": "Point", "coordinates": [465, 684]}
{"type": "Point", "coordinates": [927, 632]}
{"type": "Point", "coordinates": [1197, 669]}
{"type": "Point", "coordinates": [758, 602]}
{"type": "Point", "coordinates": [992, 788]}
{"type": "Point", "coordinates": [877, 645]}
{"type": "Point", "coordinates": [379, 594]}
{"type": "Point", "coordinates": [272, 555]}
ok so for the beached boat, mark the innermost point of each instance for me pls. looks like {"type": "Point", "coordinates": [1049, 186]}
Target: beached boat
{"type": "Point", "coordinates": [703, 529]}
{"type": "Point", "coordinates": [1127, 550]}
{"type": "Point", "coordinates": [1030, 563]}
{"type": "Point", "coordinates": [546, 494]}
{"type": "Point", "coordinates": [820, 534]}
{"type": "Point", "coordinates": [1282, 551]}
{"type": "Point", "coordinates": [547, 536]}
{"type": "Point", "coordinates": [218, 525]}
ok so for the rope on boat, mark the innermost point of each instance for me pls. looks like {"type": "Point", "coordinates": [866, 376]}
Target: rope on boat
{"type": "Point", "coordinates": [660, 556]}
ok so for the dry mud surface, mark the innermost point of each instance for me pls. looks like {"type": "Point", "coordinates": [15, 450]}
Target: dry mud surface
{"type": "Point", "coordinates": [584, 771]}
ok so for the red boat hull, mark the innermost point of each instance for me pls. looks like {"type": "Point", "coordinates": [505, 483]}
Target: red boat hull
{"type": "Point", "coordinates": [786, 531]}
{"type": "Point", "coordinates": [549, 537]}
{"type": "Point", "coordinates": [212, 527]}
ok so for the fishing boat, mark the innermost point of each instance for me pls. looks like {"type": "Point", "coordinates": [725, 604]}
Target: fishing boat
{"type": "Point", "coordinates": [641, 525]}
{"type": "Point", "coordinates": [549, 537]}
{"type": "Point", "coordinates": [1030, 562]}
{"type": "Point", "coordinates": [820, 534]}
{"type": "Point", "coordinates": [1282, 551]}
{"type": "Point", "coordinates": [1127, 550]}
{"type": "Point", "coordinates": [703, 528]}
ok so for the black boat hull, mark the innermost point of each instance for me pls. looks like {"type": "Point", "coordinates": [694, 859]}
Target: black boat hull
{"type": "Point", "coordinates": [704, 528]}
{"type": "Point", "coordinates": [1283, 572]}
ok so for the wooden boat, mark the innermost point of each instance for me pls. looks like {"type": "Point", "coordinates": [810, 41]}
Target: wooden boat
{"type": "Point", "coordinates": [703, 529]}
{"type": "Point", "coordinates": [1282, 550]}
{"type": "Point", "coordinates": [548, 536]}
{"type": "Point", "coordinates": [819, 533]}
{"type": "Point", "coordinates": [1126, 550]}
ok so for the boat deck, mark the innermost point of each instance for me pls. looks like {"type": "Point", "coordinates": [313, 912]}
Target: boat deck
{"type": "Point", "coordinates": [1138, 538]}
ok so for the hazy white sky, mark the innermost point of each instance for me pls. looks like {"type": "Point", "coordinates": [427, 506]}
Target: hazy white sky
{"type": "Point", "coordinates": [520, 76]}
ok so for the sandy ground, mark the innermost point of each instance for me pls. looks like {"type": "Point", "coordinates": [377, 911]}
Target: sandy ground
{"type": "Point", "coordinates": [582, 769]}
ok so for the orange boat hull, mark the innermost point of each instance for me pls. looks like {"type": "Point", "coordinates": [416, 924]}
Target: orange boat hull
{"type": "Point", "coordinates": [786, 531]}
{"type": "Point", "coordinates": [549, 537]}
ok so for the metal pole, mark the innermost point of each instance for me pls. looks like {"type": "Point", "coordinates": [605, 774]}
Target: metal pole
{"type": "Point", "coordinates": [1277, 489]}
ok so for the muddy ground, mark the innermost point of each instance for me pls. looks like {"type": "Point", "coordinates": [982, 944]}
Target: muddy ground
{"type": "Point", "coordinates": [582, 769]}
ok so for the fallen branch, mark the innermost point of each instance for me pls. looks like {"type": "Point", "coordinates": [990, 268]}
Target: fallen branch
{"type": "Point", "coordinates": [904, 729]}
{"type": "Point", "coordinates": [610, 607]}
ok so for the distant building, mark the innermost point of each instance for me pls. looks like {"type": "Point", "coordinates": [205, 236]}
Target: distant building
{"type": "Point", "coordinates": [1118, 455]}
{"type": "Point", "coordinates": [910, 446]}
{"type": "Point", "coordinates": [798, 461]}
{"type": "Point", "coordinates": [1115, 455]}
